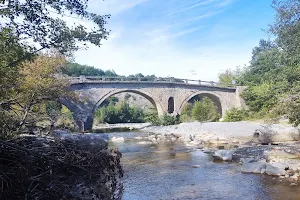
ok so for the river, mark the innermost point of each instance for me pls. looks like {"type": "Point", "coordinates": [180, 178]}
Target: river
{"type": "Point", "coordinates": [151, 172]}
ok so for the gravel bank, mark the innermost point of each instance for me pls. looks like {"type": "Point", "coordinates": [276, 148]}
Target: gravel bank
{"type": "Point", "coordinates": [229, 131]}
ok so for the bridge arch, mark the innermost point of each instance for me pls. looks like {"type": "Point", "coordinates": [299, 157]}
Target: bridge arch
{"type": "Point", "coordinates": [144, 94]}
{"type": "Point", "coordinates": [80, 112]}
{"type": "Point", "coordinates": [214, 97]}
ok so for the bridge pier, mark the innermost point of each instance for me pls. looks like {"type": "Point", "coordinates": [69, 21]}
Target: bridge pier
{"type": "Point", "coordinates": [83, 124]}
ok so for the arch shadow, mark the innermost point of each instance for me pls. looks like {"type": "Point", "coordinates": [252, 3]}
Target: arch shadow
{"type": "Point", "coordinates": [212, 96]}
{"type": "Point", "coordinates": [156, 105]}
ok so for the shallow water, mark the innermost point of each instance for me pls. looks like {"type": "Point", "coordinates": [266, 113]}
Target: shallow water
{"type": "Point", "coordinates": [152, 173]}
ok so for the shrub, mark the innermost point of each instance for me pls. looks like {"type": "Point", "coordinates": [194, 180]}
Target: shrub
{"type": "Point", "coordinates": [152, 117]}
{"type": "Point", "coordinates": [167, 120]}
{"type": "Point", "coordinates": [122, 112]}
{"type": "Point", "coordinates": [205, 110]}
{"type": "Point", "coordinates": [235, 115]}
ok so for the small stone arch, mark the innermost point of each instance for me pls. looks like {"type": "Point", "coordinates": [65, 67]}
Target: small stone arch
{"type": "Point", "coordinates": [214, 97]}
{"type": "Point", "coordinates": [156, 105]}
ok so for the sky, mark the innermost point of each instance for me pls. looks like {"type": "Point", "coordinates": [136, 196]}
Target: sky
{"type": "Point", "coordinates": [194, 39]}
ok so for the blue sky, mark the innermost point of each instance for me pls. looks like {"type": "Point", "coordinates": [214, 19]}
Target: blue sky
{"type": "Point", "coordinates": [196, 39]}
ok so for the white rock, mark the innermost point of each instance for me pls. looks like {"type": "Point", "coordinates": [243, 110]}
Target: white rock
{"type": "Point", "coordinates": [295, 176]}
{"type": "Point", "coordinates": [138, 138]}
{"type": "Point", "coordinates": [253, 167]}
{"type": "Point", "coordinates": [144, 142]}
{"type": "Point", "coordinates": [293, 184]}
{"type": "Point", "coordinates": [225, 155]}
{"type": "Point", "coordinates": [276, 169]}
{"type": "Point", "coordinates": [117, 139]}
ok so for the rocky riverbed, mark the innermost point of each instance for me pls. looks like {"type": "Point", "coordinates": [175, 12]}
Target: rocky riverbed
{"type": "Point", "coordinates": [270, 149]}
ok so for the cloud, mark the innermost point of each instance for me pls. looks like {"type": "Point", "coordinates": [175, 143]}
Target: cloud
{"type": "Point", "coordinates": [164, 36]}
{"type": "Point", "coordinates": [192, 6]}
{"type": "Point", "coordinates": [170, 38]}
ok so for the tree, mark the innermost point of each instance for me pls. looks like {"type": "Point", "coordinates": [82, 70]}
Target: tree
{"type": "Point", "coordinates": [287, 28]}
{"type": "Point", "coordinates": [264, 45]}
{"type": "Point", "coordinates": [35, 85]}
{"type": "Point", "coordinates": [42, 21]}
{"type": "Point", "coordinates": [227, 77]}
{"type": "Point", "coordinates": [75, 69]}
{"type": "Point", "coordinates": [10, 50]}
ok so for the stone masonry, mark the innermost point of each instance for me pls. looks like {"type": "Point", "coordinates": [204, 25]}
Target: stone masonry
{"type": "Point", "coordinates": [93, 94]}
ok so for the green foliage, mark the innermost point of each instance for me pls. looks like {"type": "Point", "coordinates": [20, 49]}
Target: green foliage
{"type": "Point", "coordinates": [260, 97]}
{"type": "Point", "coordinates": [235, 115]}
{"type": "Point", "coordinates": [167, 120]}
{"type": "Point", "coordinates": [119, 113]}
{"type": "Point", "coordinates": [152, 117]}
{"type": "Point", "coordinates": [273, 75]}
{"type": "Point", "coordinates": [35, 19]}
{"type": "Point", "coordinates": [65, 119]}
{"type": "Point", "coordinates": [186, 113]}
{"type": "Point", "coordinates": [227, 77]}
{"type": "Point", "coordinates": [287, 28]}
{"type": "Point", "coordinates": [75, 69]}
{"type": "Point", "coordinates": [10, 51]}
{"type": "Point", "coordinates": [205, 110]}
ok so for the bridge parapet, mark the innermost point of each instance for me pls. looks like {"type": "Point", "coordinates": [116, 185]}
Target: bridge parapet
{"type": "Point", "coordinates": [101, 79]}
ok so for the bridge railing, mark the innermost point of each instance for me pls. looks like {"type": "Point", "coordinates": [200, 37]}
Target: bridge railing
{"type": "Point", "coordinates": [96, 79]}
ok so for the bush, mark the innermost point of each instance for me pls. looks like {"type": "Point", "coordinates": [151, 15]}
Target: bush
{"type": "Point", "coordinates": [167, 120]}
{"type": "Point", "coordinates": [186, 118]}
{"type": "Point", "coordinates": [122, 112]}
{"type": "Point", "coordinates": [205, 110]}
{"type": "Point", "coordinates": [235, 115]}
{"type": "Point", "coordinates": [152, 117]}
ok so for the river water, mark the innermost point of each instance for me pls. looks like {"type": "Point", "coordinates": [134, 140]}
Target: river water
{"type": "Point", "coordinates": [151, 172]}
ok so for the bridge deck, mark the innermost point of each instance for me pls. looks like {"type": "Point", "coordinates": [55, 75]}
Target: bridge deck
{"type": "Point", "coordinates": [150, 80]}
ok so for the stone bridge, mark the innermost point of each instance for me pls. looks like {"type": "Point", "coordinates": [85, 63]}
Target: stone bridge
{"type": "Point", "coordinates": [168, 95]}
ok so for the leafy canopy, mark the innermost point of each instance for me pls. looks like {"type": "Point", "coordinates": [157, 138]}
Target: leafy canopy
{"type": "Point", "coordinates": [43, 22]}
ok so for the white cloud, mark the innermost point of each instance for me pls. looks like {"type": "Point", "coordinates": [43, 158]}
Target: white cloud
{"type": "Point", "coordinates": [181, 46]}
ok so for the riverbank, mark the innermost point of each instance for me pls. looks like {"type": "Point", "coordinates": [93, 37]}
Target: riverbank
{"type": "Point", "coordinates": [119, 127]}
{"type": "Point", "coordinates": [239, 132]}
{"type": "Point", "coordinates": [271, 149]}
{"type": "Point", "coordinates": [61, 166]}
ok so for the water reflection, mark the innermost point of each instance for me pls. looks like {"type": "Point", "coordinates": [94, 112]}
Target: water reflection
{"type": "Point", "coordinates": [152, 173]}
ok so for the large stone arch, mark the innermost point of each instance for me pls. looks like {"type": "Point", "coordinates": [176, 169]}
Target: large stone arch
{"type": "Point", "coordinates": [81, 113]}
{"type": "Point", "coordinates": [213, 96]}
{"type": "Point", "coordinates": [144, 94]}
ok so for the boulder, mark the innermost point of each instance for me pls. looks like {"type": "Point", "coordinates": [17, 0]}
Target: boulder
{"type": "Point", "coordinates": [98, 141]}
{"type": "Point", "coordinates": [276, 169]}
{"type": "Point", "coordinates": [254, 167]}
{"type": "Point", "coordinates": [225, 155]}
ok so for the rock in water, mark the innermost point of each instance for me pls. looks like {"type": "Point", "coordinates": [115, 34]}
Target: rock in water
{"type": "Point", "coordinates": [276, 169]}
{"type": "Point", "coordinates": [225, 155]}
{"type": "Point", "coordinates": [172, 152]}
{"type": "Point", "coordinates": [254, 167]}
